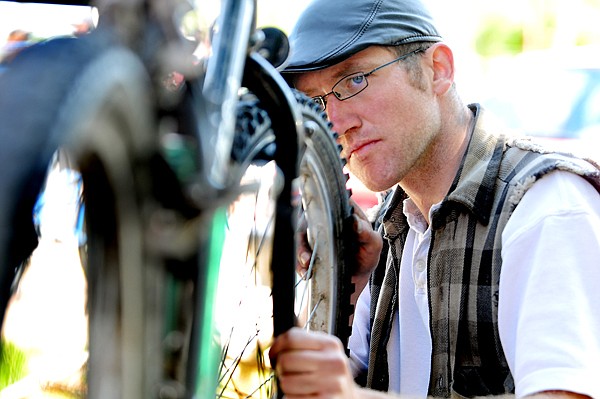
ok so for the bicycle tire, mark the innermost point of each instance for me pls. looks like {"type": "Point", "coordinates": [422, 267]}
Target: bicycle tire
{"type": "Point", "coordinates": [29, 142]}
{"type": "Point", "coordinates": [321, 170]}
{"type": "Point", "coordinates": [111, 149]}
{"type": "Point", "coordinates": [245, 372]}
{"type": "Point", "coordinates": [97, 106]}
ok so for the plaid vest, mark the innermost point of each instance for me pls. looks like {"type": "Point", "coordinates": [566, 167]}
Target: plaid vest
{"type": "Point", "coordinates": [464, 264]}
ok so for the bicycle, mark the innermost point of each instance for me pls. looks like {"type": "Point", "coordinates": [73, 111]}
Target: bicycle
{"type": "Point", "coordinates": [166, 175]}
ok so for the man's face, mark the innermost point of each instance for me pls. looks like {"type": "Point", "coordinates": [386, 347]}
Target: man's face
{"type": "Point", "coordinates": [385, 129]}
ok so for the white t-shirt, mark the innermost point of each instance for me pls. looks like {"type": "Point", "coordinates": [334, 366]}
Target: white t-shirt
{"type": "Point", "coordinates": [549, 302]}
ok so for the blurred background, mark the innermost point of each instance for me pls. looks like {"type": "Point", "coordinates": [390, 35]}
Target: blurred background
{"type": "Point", "coordinates": [535, 64]}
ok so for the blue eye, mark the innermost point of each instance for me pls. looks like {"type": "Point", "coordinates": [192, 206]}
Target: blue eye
{"type": "Point", "coordinates": [357, 79]}
{"type": "Point", "coordinates": [350, 85]}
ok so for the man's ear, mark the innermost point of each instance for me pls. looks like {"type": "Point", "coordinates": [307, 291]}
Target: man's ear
{"type": "Point", "coordinates": [443, 67]}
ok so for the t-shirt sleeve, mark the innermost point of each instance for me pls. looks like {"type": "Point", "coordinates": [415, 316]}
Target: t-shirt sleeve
{"type": "Point", "coordinates": [549, 301]}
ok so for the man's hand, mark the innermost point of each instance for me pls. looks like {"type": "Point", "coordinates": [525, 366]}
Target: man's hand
{"type": "Point", "coordinates": [369, 246]}
{"type": "Point", "coordinates": [304, 251]}
{"type": "Point", "coordinates": [312, 364]}
{"type": "Point", "coordinates": [369, 241]}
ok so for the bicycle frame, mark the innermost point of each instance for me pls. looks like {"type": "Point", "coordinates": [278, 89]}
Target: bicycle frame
{"type": "Point", "coordinates": [222, 83]}
{"type": "Point", "coordinates": [234, 63]}
{"type": "Point", "coordinates": [228, 70]}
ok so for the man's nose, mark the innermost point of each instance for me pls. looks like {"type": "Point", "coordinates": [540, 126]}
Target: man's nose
{"type": "Point", "coordinates": [338, 113]}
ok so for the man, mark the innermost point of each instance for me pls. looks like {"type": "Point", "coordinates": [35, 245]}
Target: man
{"type": "Point", "coordinates": [491, 246]}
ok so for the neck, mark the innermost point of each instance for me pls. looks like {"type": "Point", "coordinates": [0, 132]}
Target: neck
{"type": "Point", "coordinates": [430, 180]}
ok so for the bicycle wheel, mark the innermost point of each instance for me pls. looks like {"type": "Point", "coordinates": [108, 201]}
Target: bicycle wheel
{"type": "Point", "coordinates": [112, 133]}
{"type": "Point", "coordinates": [29, 142]}
{"type": "Point", "coordinates": [96, 105]}
{"type": "Point", "coordinates": [329, 228]}
{"type": "Point", "coordinates": [244, 309]}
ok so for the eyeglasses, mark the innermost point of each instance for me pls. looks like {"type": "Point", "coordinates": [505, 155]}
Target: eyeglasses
{"type": "Point", "coordinates": [350, 85]}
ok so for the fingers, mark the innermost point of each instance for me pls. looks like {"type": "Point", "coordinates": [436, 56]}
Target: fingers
{"type": "Point", "coordinates": [358, 210]}
{"type": "Point", "coordinates": [304, 254]}
{"type": "Point", "coordinates": [297, 338]}
{"type": "Point", "coordinates": [291, 346]}
{"type": "Point", "coordinates": [311, 363]}
{"type": "Point", "coordinates": [370, 244]}
{"type": "Point", "coordinates": [313, 381]}
{"type": "Point", "coordinates": [303, 263]}
{"type": "Point", "coordinates": [362, 226]}
{"type": "Point", "coordinates": [304, 251]}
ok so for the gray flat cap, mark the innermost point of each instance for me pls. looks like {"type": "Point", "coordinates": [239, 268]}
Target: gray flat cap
{"type": "Point", "coordinates": [329, 31]}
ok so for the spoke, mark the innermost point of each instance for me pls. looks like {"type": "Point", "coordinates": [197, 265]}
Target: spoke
{"type": "Point", "coordinates": [230, 370]}
{"type": "Point", "coordinates": [237, 360]}
{"type": "Point", "coordinates": [259, 230]}
{"type": "Point", "coordinates": [312, 313]}
{"type": "Point", "coordinates": [313, 258]}
{"type": "Point", "coordinates": [269, 379]}
{"type": "Point", "coordinates": [308, 274]}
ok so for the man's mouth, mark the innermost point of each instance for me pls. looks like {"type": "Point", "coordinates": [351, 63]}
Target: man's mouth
{"type": "Point", "coordinates": [361, 148]}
